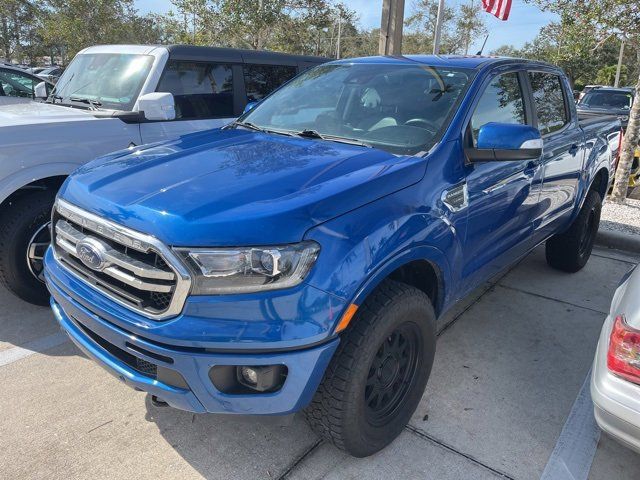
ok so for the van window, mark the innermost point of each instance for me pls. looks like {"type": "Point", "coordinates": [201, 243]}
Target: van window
{"type": "Point", "coordinates": [502, 102]}
{"type": "Point", "coordinates": [261, 80]}
{"type": "Point", "coordinates": [200, 90]}
{"type": "Point", "coordinates": [548, 97]}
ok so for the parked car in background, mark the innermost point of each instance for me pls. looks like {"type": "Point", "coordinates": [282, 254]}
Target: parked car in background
{"type": "Point", "coordinates": [618, 102]}
{"type": "Point", "coordinates": [110, 98]}
{"type": "Point", "coordinates": [51, 74]}
{"type": "Point", "coordinates": [608, 101]}
{"type": "Point", "coordinates": [36, 70]}
{"type": "Point", "coordinates": [298, 258]}
{"type": "Point", "coordinates": [15, 82]}
{"type": "Point", "coordinates": [587, 89]}
{"type": "Point", "coordinates": [615, 379]}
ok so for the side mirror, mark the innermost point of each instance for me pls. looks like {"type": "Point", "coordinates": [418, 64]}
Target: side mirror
{"type": "Point", "coordinates": [506, 142]}
{"type": "Point", "coordinates": [249, 106]}
{"type": "Point", "coordinates": [157, 106]}
{"type": "Point", "coordinates": [40, 90]}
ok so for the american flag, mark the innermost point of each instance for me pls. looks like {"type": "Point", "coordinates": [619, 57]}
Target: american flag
{"type": "Point", "coordinates": [499, 8]}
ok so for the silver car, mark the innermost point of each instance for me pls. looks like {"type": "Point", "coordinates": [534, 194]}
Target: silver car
{"type": "Point", "coordinates": [615, 382]}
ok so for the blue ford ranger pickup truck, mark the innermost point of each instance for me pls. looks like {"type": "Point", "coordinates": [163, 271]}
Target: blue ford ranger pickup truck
{"type": "Point", "coordinates": [298, 258]}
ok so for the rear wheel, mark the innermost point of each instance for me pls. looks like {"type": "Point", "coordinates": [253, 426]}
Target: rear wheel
{"type": "Point", "coordinates": [24, 238]}
{"type": "Point", "coordinates": [379, 372]}
{"type": "Point", "coordinates": [569, 251]}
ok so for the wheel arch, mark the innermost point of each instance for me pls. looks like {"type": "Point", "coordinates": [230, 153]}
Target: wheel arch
{"type": "Point", "coordinates": [600, 182]}
{"type": "Point", "coordinates": [20, 189]}
{"type": "Point", "coordinates": [425, 268]}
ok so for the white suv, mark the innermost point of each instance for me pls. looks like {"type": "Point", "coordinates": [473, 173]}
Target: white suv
{"type": "Point", "coordinates": [110, 98]}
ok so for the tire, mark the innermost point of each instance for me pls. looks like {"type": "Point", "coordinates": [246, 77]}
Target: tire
{"type": "Point", "coordinates": [349, 408]}
{"type": "Point", "coordinates": [26, 219]}
{"type": "Point", "coordinates": [569, 251]}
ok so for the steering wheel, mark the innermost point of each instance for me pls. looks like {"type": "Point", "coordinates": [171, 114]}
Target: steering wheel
{"type": "Point", "coordinates": [423, 123]}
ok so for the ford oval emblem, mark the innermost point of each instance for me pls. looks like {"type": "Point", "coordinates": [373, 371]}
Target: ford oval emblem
{"type": "Point", "coordinates": [92, 253]}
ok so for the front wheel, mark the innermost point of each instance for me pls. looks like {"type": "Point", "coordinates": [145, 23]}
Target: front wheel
{"type": "Point", "coordinates": [24, 238]}
{"type": "Point", "coordinates": [379, 372]}
{"type": "Point", "coordinates": [569, 251]}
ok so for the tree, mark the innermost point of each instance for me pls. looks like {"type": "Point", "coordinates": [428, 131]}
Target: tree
{"type": "Point", "coordinates": [460, 27]}
{"type": "Point", "coordinates": [421, 26]}
{"type": "Point", "coordinates": [71, 25]}
{"type": "Point", "coordinates": [607, 75]}
{"type": "Point", "coordinates": [603, 20]}
{"type": "Point", "coordinates": [578, 53]}
{"type": "Point", "coordinates": [470, 24]}
{"type": "Point", "coordinates": [18, 23]}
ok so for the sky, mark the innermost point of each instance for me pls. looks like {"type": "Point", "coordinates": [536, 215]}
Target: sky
{"type": "Point", "coordinates": [523, 25]}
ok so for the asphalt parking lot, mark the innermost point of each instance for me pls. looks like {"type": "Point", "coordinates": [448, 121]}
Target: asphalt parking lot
{"type": "Point", "coordinates": [511, 362]}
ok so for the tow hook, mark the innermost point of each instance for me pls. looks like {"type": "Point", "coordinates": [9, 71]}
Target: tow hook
{"type": "Point", "coordinates": [156, 402]}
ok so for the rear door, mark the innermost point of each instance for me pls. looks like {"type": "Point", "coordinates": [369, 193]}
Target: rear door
{"type": "Point", "coordinates": [261, 80]}
{"type": "Point", "coordinates": [205, 94]}
{"type": "Point", "coordinates": [563, 150]}
{"type": "Point", "coordinates": [502, 195]}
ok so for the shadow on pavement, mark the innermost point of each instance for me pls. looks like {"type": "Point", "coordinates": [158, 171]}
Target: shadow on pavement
{"type": "Point", "coordinates": [27, 326]}
{"type": "Point", "coordinates": [231, 446]}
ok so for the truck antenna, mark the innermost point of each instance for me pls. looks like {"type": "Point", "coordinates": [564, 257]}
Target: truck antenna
{"type": "Point", "coordinates": [483, 44]}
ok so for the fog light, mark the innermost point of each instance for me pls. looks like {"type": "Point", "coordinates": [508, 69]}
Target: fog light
{"type": "Point", "coordinates": [249, 375]}
{"type": "Point", "coordinates": [262, 378]}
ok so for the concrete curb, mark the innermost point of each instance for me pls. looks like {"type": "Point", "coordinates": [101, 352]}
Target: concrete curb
{"type": "Point", "coordinates": [618, 240]}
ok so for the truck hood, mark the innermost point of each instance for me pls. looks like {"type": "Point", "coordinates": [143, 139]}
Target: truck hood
{"type": "Point", "coordinates": [237, 187]}
{"type": "Point", "coordinates": [23, 111]}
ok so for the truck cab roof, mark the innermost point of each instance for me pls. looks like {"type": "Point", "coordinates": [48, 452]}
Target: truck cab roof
{"type": "Point", "coordinates": [475, 62]}
{"type": "Point", "coordinates": [196, 53]}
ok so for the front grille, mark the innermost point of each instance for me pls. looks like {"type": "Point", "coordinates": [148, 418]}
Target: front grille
{"type": "Point", "coordinates": [119, 262]}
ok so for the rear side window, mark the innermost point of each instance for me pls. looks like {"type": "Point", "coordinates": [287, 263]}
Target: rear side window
{"type": "Point", "coordinates": [201, 90]}
{"type": "Point", "coordinates": [549, 101]}
{"type": "Point", "coordinates": [261, 80]}
{"type": "Point", "coordinates": [501, 102]}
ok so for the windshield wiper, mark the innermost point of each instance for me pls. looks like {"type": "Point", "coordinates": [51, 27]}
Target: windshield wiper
{"type": "Point", "coordinates": [54, 98]}
{"type": "Point", "coordinates": [334, 138]}
{"type": "Point", "coordinates": [252, 126]}
{"type": "Point", "coordinates": [95, 104]}
{"type": "Point", "coordinates": [248, 125]}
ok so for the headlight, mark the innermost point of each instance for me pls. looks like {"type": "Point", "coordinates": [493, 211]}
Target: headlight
{"type": "Point", "coordinates": [252, 269]}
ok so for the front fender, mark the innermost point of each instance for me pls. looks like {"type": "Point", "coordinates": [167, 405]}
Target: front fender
{"type": "Point", "coordinates": [423, 252]}
{"type": "Point", "coordinates": [362, 248]}
{"type": "Point", "coordinates": [23, 177]}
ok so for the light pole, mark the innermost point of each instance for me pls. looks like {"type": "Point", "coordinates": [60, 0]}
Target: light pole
{"type": "Point", "coordinates": [617, 82]}
{"type": "Point", "coordinates": [339, 35]}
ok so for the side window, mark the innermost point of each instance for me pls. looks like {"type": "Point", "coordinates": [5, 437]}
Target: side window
{"type": "Point", "coordinates": [201, 90]}
{"type": "Point", "coordinates": [261, 80]}
{"type": "Point", "coordinates": [502, 102]}
{"type": "Point", "coordinates": [13, 84]}
{"type": "Point", "coordinates": [549, 101]}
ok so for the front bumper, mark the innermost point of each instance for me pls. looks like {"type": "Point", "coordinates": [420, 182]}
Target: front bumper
{"type": "Point", "coordinates": [114, 347]}
{"type": "Point", "coordinates": [616, 401]}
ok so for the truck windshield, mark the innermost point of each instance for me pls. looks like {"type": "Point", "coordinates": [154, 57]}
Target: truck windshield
{"type": "Point", "coordinates": [402, 109]}
{"type": "Point", "coordinates": [608, 99]}
{"type": "Point", "coordinates": [106, 80]}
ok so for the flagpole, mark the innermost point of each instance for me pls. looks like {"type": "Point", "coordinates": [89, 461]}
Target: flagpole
{"type": "Point", "coordinates": [438, 33]}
